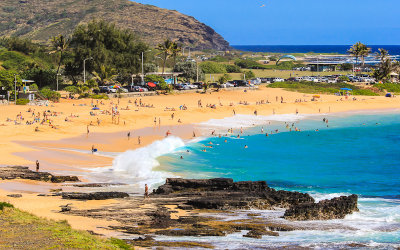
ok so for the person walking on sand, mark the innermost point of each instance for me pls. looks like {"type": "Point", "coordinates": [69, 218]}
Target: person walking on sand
{"type": "Point", "coordinates": [129, 135]}
{"type": "Point", "coordinates": [37, 165]}
{"type": "Point", "coordinates": [146, 191]}
{"type": "Point", "coordinates": [138, 139]}
{"type": "Point", "coordinates": [93, 149]}
{"type": "Point", "coordinates": [234, 112]}
{"type": "Point", "coordinates": [87, 129]}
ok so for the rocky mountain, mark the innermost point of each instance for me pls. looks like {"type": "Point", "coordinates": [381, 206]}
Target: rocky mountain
{"type": "Point", "coordinates": [41, 19]}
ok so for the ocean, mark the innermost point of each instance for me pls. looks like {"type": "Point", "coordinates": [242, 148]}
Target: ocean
{"type": "Point", "coordinates": [287, 49]}
{"type": "Point", "coordinates": [357, 153]}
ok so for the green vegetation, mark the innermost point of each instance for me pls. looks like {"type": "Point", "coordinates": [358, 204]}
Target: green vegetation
{"type": "Point", "coordinates": [249, 64]}
{"type": "Point", "coordinates": [248, 74]}
{"type": "Point", "coordinates": [4, 204]}
{"type": "Point", "coordinates": [101, 96]}
{"type": "Point", "coordinates": [213, 68]}
{"type": "Point", "coordinates": [321, 88]}
{"type": "Point", "coordinates": [50, 94]}
{"type": "Point", "coordinates": [20, 229]}
{"type": "Point", "coordinates": [22, 101]}
{"type": "Point", "coordinates": [389, 87]}
{"type": "Point", "coordinates": [189, 70]}
{"type": "Point", "coordinates": [359, 50]}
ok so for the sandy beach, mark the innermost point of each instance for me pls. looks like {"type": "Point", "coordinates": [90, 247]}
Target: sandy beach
{"type": "Point", "coordinates": [65, 146]}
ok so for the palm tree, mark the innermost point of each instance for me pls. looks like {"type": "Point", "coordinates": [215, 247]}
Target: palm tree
{"type": "Point", "coordinates": [105, 75]}
{"type": "Point", "coordinates": [385, 65]}
{"type": "Point", "coordinates": [166, 50]}
{"type": "Point", "coordinates": [175, 50]}
{"type": "Point", "coordinates": [60, 44]}
{"type": "Point", "coordinates": [364, 51]}
{"type": "Point", "coordinates": [356, 50]}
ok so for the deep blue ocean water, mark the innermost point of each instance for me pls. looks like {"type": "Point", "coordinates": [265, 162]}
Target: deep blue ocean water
{"type": "Point", "coordinates": [358, 153]}
{"type": "Point", "coordinates": [340, 49]}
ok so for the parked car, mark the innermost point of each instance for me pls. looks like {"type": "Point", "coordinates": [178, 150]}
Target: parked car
{"type": "Point", "coordinates": [104, 89]}
{"type": "Point", "coordinates": [227, 85]}
{"type": "Point", "coordinates": [277, 79]}
{"type": "Point", "coordinates": [199, 85]}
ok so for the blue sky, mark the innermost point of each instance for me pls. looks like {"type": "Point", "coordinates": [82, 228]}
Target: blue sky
{"type": "Point", "coordinates": [295, 22]}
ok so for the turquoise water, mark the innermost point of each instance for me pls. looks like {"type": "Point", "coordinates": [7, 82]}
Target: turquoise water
{"type": "Point", "coordinates": [357, 153]}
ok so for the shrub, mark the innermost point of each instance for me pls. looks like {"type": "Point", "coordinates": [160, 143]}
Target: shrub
{"type": "Point", "coordinates": [5, 204]}
{"type": "Point", "coordinates": [71, 89]}
{"type": "Point", "coordinates": [50, 94]}
{"type": "Point", "coordinates": [232, 68]}
{"type": "Point", "coordinates": [34, 87]}
{"type": "Point", "coordinates": [101, 96]}
{"type": "Point", "coordinates": [213, 68]}
{"type": "Point", "coordinates": [22, 101]}
{"type": "Point", "coordinates": [249, 74]}
{"type": "Point", "coordinates": [154, 78]}
{"type": "Point", "coordinates": [248, 64]}
{"type": "Point", "coordinates": [389, 87]}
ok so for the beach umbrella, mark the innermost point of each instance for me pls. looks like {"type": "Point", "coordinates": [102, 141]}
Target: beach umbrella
{"type": "Point", "coordinates": [151, 84]}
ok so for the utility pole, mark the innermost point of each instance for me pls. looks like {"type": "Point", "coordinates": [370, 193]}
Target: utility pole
{"type": "Point", "coordinates": [197, 73]}
{"type": "Point", "coordinates": [84, 69]}
{"type": "Point", "coordinates": [142, 69]}
{"type": "Point", "coordinates": [57, 80]}
{"type": "Point", "coordinates": [15, 88]}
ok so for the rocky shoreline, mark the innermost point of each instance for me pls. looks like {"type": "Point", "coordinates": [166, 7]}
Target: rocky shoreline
{"type": "Point", "coordinates": [20, 172]}
{"type": "Point", "coordinates": [183, 207]}
{"type": "Point", "coordinates": [199, 207]}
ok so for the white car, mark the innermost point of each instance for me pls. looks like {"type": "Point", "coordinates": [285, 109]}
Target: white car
{"type": "Point", "coordinates": [277, 79]}
{"type": "Point", "coordinates": [227, 85]}
{"type": "Point", "coordinates": [332, 80]}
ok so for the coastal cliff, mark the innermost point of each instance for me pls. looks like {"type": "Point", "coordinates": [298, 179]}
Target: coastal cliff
{"type": "Point", "coordinates": [40, 20]}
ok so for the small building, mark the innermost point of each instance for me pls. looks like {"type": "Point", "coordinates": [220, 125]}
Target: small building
{"type": "Point", "coordinates": [25, 92]}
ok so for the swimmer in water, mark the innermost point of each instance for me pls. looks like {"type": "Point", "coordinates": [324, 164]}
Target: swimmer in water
{"type": "Point", "coordinates": [204, 150]}
{"type": "Point", "coordinates": [266, 134]}
{"type": "Point", "coordinates": [262, 130]}
{"type": "Point", "coordinates": [181, 157]}
{"type": "Point", "coordinates": [245, 146]}
{"type": "Point", "coordinates": [238, 136]}
{"type": "Point", "coordinates": [226, 141]}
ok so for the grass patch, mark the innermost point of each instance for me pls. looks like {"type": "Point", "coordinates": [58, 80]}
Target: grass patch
{"type": "Point", "coordinates": [5, 204]}
{"type": "Point", "coordinates": [321, 88]}
{"type": "Point", "coordinates": [389, 87]}
{"type": "Point", "coordinates": [23, 230]}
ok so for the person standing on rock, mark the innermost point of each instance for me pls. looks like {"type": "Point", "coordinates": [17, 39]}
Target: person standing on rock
{"type": "Point", "coordinates": [37, 166]}
{"type": "Point", "coordinates": [146, 191]}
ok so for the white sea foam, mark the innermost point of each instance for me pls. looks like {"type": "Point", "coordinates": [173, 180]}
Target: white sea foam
{"type": "Point", "coordinates": [247, 121]}
{"type": "Point", "coordinates": [136, 166]}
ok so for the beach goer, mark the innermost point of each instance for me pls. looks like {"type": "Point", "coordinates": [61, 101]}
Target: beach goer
{"type": "Point", "coordinates": [146, 191]}
{"type": "Point", "coordinates": [93, 149]}
{"type": "Point", "coordinates": [181, 157]}
{"type": "Point", "coordinates": [194, 134]}
{"type": "Point", "coordinates": [138, 139]}
{"type": "Point", "coordinates": [87, 129]}
{"type": "Point", "coordinates": [168, 133]}
{"type": "Point", "coordinates": [234, 112]}
{"type": "Point", "coordinates": [245, 146]}
{"type": "Point", "coordinates": [255, 112]}
{"type": "Point", "coordinates": [37, 166]}
{"type": "Point", "coordinates": [129, 135]}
